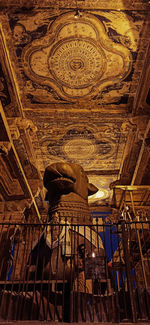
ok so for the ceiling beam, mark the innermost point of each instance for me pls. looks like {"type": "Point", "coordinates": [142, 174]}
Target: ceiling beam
{"type": "Point", "coordinates": [103, 172]}
{"type": "Point", "coordinates": [132, 187]}
{"type": "Point", "coordinates": [137, 168]}
{"type": "Point", "coordinates": [18, 161]}
{"type": "Point", "coordinates": [11, 72]}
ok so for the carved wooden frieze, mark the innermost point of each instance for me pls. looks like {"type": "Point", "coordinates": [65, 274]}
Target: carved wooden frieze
{"type": "Point", "coordinates": [92, 142]}
{"type": "Point", "coordinates": [58, 5]}
{"type": "Point", "coordinates": [10, 187]}
{"type": "Point", "coordinates": [64, 59]}
{"type": "Point", "coordinates": [52, 64]}
{"type": "Point", "coordinates": [83, 50]}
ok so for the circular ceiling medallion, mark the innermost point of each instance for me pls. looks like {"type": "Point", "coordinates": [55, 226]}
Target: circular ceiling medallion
{"type": "Point", "coordinates": [81, 59]}
{"type": "Point", "coordinates": [79, 149]}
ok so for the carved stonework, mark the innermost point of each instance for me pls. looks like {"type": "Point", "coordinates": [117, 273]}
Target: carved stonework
{"type": "Point", "coordinates": [14, 132]}
{"type": "Point", "coordinates": [22, 124]}
{"type": "Point", "coordinates": [10, 187]}
{"type": "Point", "coordinates": [5, 147]}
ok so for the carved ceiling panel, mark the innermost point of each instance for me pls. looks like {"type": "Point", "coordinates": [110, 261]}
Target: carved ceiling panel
{"type": "Point", "coordinates": [81, 48]}
{"type": "Point", "coordinates": [96, 50]}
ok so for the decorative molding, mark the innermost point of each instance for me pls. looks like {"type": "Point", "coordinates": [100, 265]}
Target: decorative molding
{"type": "Point", "coordinates": [14, 132]}
{"type": "Point", "coordinates": [5, 147]}
{"type": "Point", "coordinates": [57, 5]}
{"type": "Point", "coordinates": [22, 124]}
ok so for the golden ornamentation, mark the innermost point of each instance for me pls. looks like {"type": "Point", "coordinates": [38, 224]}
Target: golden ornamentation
{"type": "Point", "coordinates": [76, 58]}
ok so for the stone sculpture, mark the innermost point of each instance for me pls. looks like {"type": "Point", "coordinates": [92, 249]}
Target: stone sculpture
{"type": "Point", "coordinates": [68, 189]}
{"type": "Point", "coordinates": [69, 237]}
{"type": "Point", "coordinates": [60, 253]}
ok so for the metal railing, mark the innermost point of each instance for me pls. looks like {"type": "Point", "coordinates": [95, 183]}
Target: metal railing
{"type": "Point", "coordinates": [69, 272]}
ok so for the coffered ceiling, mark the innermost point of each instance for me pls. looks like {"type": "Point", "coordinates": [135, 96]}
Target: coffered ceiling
{"type": "Point", "coordinates": [74, 86]}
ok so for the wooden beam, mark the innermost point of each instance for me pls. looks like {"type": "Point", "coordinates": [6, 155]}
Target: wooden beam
{"type": "Point", "coordinates": [132, 187]}
{"type": "Point", "coordinates": [140, 155]}
{"type": "Point", "coordinates": [102, 172]}
{"type": "Point", "coordinates": [145, 207]}
{"type": "Point", "coordinates": [11, 72]}
{"type": "Point", "coordinates": [18, 161]}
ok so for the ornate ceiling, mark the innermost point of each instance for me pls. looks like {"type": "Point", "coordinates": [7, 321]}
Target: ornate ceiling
{"type": "Point", "coordinates": [74, 85]}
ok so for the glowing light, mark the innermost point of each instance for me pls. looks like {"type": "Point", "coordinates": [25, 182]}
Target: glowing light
{"type": "Point", "coordinates": [99, 194]}
{"type": "Point", "coordinates": [93, 254]}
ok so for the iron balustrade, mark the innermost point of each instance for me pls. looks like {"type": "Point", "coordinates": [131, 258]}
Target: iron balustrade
{"type": "Point", "coordinates": [64, 272]}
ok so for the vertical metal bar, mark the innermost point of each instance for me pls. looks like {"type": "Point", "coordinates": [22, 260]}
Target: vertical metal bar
{"type": "Point", "coordinates": [36, 275]}
{"type": "Point", "coordinates": [140, 247]}
{"type": "Point", "coordinates": [71, 273]}
{"type": "Point", "coordinates": [118, 272]}
{"type": "Point", "coordinates": [20, 296]}
{"type": "Point", "coordinates": [111, 245]}
{"type": "Point", "coordinates": [63, 290]}
{"type": "Point", "coordinates": [1, 236]}
{"type": "Point", "coordinates": [99, 296]}
{"type": "Point", "coordinates": [122, 276]}
{"type": "Point", "coordinates": [109, 309]}
{"type": "Point", "coordinates": [91, 295]}
{"type": "Point", "coordinates": [15, 259]}
{"type": "Point", "coordinates": [140, 251]}
{"type": "Point", "coordinates": [38, 266]}
{"type": "Point", "coordinates": [5, 278]}
{"type": "Point", "coordinates": [57, 269]}
{"type": "Point", "coordinates": [104, 237]}
{"type": "Point", "coordinates": [9, 295]}
{"type": "Point", "coordinates": [77, 266]}
{"type": "Point", "coordinates": [143, 272]}
{"type": "Point", "coordinates": [5, 225]}
{"type": "Point", "coordinates": [68, 274]}
{"type": "Point", "coordinates": [41, 284]}
{"type": "Point", "coordinates": [108, 281]}
{"type": "Point", "coordinates": [137, 290]}
{"type": "Point", "coordinates": [112, 279]}
{"type": "Point", "coordinates": [145, 248]}
{"type": "Point", "coordinates": [33, 231]}
{"type": "Point", "coordinates": [22, 293]}
{"type": "Point", "coordinates": [128, 270]}
{"type": "Point", "coordinates": [145, 226]}
{"type": "Point", "coordinates": [85, 289]}
{"type": "Point", "coordinates": [75, 275]}
{"type": "Point", "coordinates": [93, 278]}
{"type": "Point", "coordinates": [49, 285]}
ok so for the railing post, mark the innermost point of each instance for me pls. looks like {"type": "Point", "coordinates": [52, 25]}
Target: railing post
{"type": "Point", "coordinates": [128, 269]}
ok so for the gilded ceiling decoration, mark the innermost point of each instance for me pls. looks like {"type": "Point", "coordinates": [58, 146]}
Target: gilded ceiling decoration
{"type": "Point", "coordinates": [80, 47]}
{"type": "Point", "coordinates": [95, 50]}
{"type": "Point", "coordinates": [97, 145]}
{"type": "Point", "coordinates": [79, 143]}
